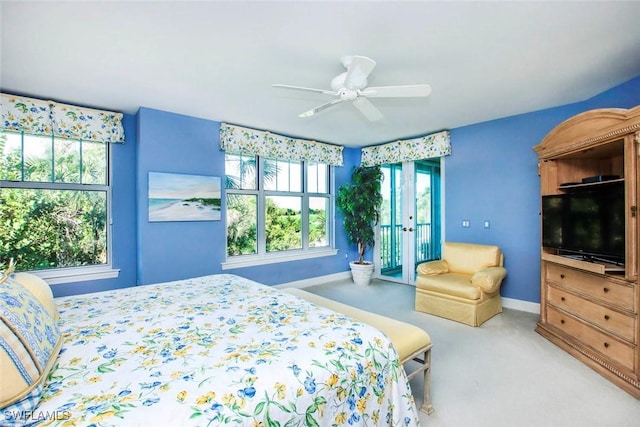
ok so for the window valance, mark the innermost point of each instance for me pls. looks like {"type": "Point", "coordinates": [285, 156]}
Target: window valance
{"type": "Point", "coordinates": [250, 141]}
{"type": "Point", "coordinates": [40, 117]}
{"type": "Point", "coordinates": [424, 147]}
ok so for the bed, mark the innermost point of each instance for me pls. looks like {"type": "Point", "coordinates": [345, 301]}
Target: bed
{"type": "Point", "coordinates": [218, 350]}
{"type": "Point", "coordinates": [412, 343]}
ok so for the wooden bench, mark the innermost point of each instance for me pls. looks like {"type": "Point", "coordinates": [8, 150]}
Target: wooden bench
{"type": "Point", "coordinates": [411, 342]}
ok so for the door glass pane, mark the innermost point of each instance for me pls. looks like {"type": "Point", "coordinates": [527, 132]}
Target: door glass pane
{"type": "Point", "coordinates": [385, 220]}
{"type": "Point", "coordinates": [391, 234]}
{"type": "Point", "coordinates": [423, 214]}
{"type": "Point", "coordinates": [427, 210]}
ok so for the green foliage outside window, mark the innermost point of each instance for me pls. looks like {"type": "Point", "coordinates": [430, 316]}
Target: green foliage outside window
{"type": "Point", "coordinates": [43, 229]}
{"type": "Point", "coordinates": [283, 223]}
{"type": "Point", "coordinates": [242, 232]}
{"type": "Point", "coordinates": [283, 228]}
{"type": "Point", "coordinates": [51, 225]}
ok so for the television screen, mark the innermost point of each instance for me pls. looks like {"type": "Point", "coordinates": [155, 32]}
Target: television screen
{"type": "Point", "coordinates": [552, 214]}
{"type": "Point", "coordinates": [589, 223]}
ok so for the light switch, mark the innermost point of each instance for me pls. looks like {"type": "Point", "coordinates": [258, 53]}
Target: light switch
{"type": "Point", "coordinates": [487, 224]}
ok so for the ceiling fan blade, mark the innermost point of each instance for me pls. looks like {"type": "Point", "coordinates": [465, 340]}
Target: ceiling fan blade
{"type": "Point", "coordinates": [358, 69]}
{"type": "Point", "coordinates": [397, 91]}
{"type": "Point", "coordinates": [320, 108]}
{"type": "Point", "coordinates": [368, 109]}
{"type": "Point", "coordinates": [326, 92]}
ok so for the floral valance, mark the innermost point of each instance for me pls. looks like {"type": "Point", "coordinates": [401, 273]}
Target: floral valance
{"type": "Point", "coordinates": [40, 117]}
{"type": "Point", "coordinates": [256, 142]}
{"type": "Point", "coordinates": [424, 147]}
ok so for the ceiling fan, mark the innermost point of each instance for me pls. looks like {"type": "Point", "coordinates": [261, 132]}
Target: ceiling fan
{"type": "Point", "coordinates": [352, 86]}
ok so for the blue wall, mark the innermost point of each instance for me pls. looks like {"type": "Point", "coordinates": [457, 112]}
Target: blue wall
{"type": "Point", "coordinates": [174, 143]}
{"type": "Point", "coordinates": [491, 175]}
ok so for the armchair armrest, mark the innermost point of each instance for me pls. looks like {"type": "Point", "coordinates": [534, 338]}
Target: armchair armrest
{"type": "Point", "coordinates": [489, 279]}
{"type": "Point", "coordinates": [431, 268]}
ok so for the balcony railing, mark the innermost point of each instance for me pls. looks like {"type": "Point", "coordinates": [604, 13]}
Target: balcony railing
{"type": "Point", "coordinates": [391, 245]}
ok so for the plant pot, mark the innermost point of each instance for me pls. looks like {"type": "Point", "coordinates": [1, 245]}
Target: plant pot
{"type": "Point", "coordinates": [361, 273]}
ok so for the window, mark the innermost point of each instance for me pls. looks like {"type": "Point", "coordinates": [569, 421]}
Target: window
{"type": "Point", "coordinates": [276, 207]}
{"type": "Point", "coordinates": [54, 202]}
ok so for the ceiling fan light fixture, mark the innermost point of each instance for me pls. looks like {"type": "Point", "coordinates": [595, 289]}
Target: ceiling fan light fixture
{"type": "Point", "coordinates": [352, 86]}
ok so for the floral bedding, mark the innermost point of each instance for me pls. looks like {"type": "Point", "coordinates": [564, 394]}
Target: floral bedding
{"type": "Point", "coordinates": [219, 350]}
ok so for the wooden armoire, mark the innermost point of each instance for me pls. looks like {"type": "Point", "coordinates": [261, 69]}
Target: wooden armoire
{"type": "Point", "coordinates": [588, 305]}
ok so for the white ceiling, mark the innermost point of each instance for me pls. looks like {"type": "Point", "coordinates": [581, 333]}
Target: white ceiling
{"type": "Point", "coordinates": [218, 60]}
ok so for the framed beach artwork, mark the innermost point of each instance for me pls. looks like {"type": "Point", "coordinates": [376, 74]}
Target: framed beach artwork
{"type": "Point", "coordinates": [181, 197]}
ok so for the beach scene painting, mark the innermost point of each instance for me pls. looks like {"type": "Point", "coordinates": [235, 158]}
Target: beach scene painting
{"type": "Point", "coordinates": [181, 197]}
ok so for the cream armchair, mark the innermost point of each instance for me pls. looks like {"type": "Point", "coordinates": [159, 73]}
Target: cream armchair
{"type": "Point", "coordinates": [464, 285]}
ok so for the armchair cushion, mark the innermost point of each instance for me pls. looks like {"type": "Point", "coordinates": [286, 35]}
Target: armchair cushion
{"type": "Point", "coordinates": [431, 268]}
{"type": "Point", "coordinates": [489, 279]}
{"type": "Point", "coordinates": [469, 258]}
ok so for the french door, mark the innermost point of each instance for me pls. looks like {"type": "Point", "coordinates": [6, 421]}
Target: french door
{"type": "Point", "coordinates": [409, 230]}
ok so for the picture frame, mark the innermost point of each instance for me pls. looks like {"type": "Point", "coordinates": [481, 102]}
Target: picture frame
{"type": "Point", "coordinates": [184, 197]}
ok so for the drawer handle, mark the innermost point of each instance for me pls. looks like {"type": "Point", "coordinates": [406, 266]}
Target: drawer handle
{"type": "Point", "coordinates": [606, 345]}
{"type": "Point", "coordinates": [561, 298]}
{"type": "Point", "coordinates": [605, 290]}
{"type": "Point", "coordinates": [562, 276]}
{"type": "Point", "coordinates": [562, 321]}
{"type": "Point", "coordinates": [606, 317]}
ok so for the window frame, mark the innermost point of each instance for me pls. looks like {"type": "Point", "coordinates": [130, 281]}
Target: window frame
{"type": "Point", "coordinates": [262, 257]}
{"type": "Point", "coordinates": [60, 275]}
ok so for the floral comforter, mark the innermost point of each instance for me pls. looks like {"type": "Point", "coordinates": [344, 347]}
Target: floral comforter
{"type": "Point", "coordinates": [219, 350]}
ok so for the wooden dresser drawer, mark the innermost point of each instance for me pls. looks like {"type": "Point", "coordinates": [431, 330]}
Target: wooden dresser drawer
{"type": "Point", "coordinates": [608, 346]}
{"type": "Point", "coordinates": [615, 293]}
{"type": "Point", "coordinates": [617, 323]}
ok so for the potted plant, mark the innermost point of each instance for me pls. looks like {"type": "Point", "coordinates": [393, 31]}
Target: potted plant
{"type": "Point", "coordinates": [360, 201]}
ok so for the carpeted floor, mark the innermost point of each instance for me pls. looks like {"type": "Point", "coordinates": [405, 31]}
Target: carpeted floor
{"type": "Point", "coordinates": [501, 374]}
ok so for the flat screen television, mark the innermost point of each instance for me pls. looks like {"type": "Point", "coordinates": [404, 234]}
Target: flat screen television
{"type": "Point", "coordinates": [589, 223]}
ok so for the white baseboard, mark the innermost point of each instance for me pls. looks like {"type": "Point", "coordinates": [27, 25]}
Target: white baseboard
{"type": "Point", "coordinates": [316, 280]}
{"type": "Point", "coordinates": [516, 304]}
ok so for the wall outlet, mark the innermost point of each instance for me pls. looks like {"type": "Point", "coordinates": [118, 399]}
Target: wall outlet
{"type": "Point", "coordinates": [466, 223]}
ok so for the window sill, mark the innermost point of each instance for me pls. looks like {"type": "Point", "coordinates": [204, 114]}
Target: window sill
{"type": "Point", "coordinates": [254, 260]}
{"type": "Point", "coordinates": [78, 274]}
